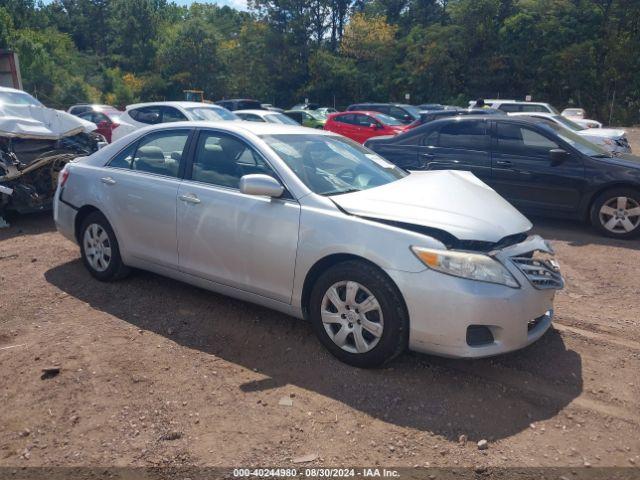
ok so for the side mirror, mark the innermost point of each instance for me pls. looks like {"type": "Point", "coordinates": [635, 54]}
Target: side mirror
{"type": "Point", "coordinates": [373, 126]}
{"type": "Point", "coordinates": [557, 156]}
{"type": "Point", "coordinates": [259, 184]}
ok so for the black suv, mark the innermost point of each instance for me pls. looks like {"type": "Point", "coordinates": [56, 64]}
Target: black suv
{"type": "Point", "coordinates": [541, 168]}
{"type": "Point", "coordinates": [405, 113]}
{"type": "Point", "coordinates": [240, 104]}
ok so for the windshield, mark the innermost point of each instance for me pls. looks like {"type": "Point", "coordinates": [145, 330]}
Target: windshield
{"type": "Point", "coordinates": [414, 111]}
{"type": "Point", "coordinates": [568, 123]}
{"type": "Point", "coordinates": [211, 113]}
{"type": "Point", "coordinates": [330, 165]}
{"type": "Point", "coordinates": [280, 118]}
{"type": "Point", "coordinates": [387, 120]}
{"type": "Point", "coordinates": [18, 98]}
{"type": "Point", "coordinates": [578, 142]}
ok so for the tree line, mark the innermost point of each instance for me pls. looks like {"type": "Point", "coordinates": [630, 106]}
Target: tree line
{"type": "Point", "coordinates": [567, 52]}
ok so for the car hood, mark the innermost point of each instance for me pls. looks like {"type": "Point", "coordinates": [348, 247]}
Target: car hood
{"type": "Point", "coordinates": [623, 159]}
{"type": "Point", "coordinates": [450, 200]}
{"type": "Point", "coordinates": [30, 121]}
{"type": "Point", "coordinates": [603, 132]}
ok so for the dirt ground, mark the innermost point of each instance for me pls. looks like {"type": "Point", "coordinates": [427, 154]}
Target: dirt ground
{"type": "Point", "coordinates": [154, 372]}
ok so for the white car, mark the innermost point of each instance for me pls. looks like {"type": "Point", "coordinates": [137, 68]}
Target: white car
{"type": "Point", "coordinates": [514, 106]}
{"type": "Point", "coordinates": [141, 115]}
{"type": "Point", "coordinates": [267, 116]}
{"type": "Point", "coordinates": [612, 139]}
{"type": "Point", "coordinates": [315, 225]}
{"type": "Point", "coordinates": [578, 115]}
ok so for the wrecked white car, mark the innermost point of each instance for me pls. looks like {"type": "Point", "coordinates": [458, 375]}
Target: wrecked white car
{"type": "Point", "coordinates": [35, 144]}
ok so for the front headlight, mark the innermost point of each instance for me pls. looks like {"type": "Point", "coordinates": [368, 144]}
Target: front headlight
{"type": "Point", "coordinates": [466, 265]}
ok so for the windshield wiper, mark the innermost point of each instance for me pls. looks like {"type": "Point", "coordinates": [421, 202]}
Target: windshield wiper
{"type": "Point", "coordinates": [340, 192]}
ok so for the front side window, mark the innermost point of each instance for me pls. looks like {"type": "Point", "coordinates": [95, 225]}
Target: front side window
{"type": "Point", "coordinates": [222, 159]}
{"type": "Point", "coordinates": [471, 135]}
{"type": "Point", "coordinates": [533, 108]}
{"type": "Point", "coordinates": [331, 165]}
{"type": "Point", "coordinates": [171, 114]}
{"type": "Point", "coordinates": [388, 119]}
{"type": "Point", "coordinates": [250, 117]}
{"type": "Point", "coordinates": [159, 153]}
{"type": "Point", "coordinates": [509, 107]}
{"type": "Point", "coordinates": [580, 143]}
{"type": "Point", "coordinates": [364, 120]}
{"type": "Point", "coordinates": [519, 140]}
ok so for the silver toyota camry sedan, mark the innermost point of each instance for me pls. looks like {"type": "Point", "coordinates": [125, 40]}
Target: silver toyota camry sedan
{"type": "Point", "coordinates": [316, 226]}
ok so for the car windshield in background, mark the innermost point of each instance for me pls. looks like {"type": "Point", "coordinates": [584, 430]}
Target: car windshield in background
{"type": "Point", "coordinates": [213, 114]}
{"type": "Point", "coordinates": [578, 142]}
{"type": "Point", "coordinates": [387, 120]}
{"type": "Point", "coordinates": [17, 98]}
{"type": "Point", "coordinates": [568, 123]}
{"type": "Point", "coordinates": [414, 111]}
{"type": "Point", "coordinates": [331, 165]}
{"type": "Point", "coordinates": [280, 118]}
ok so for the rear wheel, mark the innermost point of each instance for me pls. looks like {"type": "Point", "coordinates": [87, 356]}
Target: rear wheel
{"type": "Point", "coordinates": [99, 249]}
{"type": "Point", "coordinates": [359, 315]}
{"type": "Point", "coordinates": [616, 213]}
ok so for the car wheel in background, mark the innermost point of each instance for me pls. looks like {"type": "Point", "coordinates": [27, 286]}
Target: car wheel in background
{"type": "Point", "coordinates": [616, 213]}
{"type": "Point", "coordinates": [99, 249]}
{"type": "Point", "coordinates": [359, 315]}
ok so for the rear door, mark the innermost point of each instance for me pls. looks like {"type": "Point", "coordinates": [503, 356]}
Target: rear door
{"type": "Point", "coordinates": [139, 189]}
{"type": "Point", "coordinates": [523, 173]}
{"type": "Point", "coordinates": [458, 145]}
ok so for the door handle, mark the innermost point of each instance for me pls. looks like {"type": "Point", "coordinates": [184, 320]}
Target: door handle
{"type": "Point", "coordinates": [189, 198]}
{"type": "Point", "coordinates": [427, 155]}
{"type": "Point", "coordinates": [108, 181]}
{"type": "Point", "coordinates": [504, 163]}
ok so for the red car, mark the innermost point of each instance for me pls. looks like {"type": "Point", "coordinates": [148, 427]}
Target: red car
{"type": "Point", "coordinates": [106, 119]}
{"type": "Point", "coordinates": [361, 126]}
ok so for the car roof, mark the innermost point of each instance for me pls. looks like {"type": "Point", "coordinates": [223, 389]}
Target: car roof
{"type": "Point", "coordinates": [533, 114]}
{"type": "Point", "coordinates": [256, 128]}
{"type": "Point", "coordinates": [372, 113]}
{"type": "Point", "coordinates": [172, 104]}
{"type": "Point", "coordinates": [239, 100]}
{"type": "Point", "coordinates": [256, 112]}
{"type": "Point", "coordinates": [519, 102]}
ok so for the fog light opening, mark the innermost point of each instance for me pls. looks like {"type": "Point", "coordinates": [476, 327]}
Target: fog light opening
{"type": "Point", "coordinates": [479, 335]}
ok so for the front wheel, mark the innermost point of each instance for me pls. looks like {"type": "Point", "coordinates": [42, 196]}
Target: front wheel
{"type": "Point", "coordinates": [359, 315]}
{"type": "Point", "coordinates": [616, 213]}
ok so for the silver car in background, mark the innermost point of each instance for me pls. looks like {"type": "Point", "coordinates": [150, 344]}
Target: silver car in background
{"type": "Point", "coordinates": [316, 226]}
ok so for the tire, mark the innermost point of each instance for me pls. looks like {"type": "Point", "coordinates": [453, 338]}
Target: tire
{"type": "Point", "coordinates": [346, 330]}
{"type": "Point", "coordinates": [106, 264]}
{"type": "Point", "coordinates": [616, 213]}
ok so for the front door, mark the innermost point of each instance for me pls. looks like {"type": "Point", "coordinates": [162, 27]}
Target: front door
{"type": "Point", "coordinates": [524, 174]}
{"type": "Point", "coordinates": [139, 189]}
{"type": "Point", "coordinates": [243, 241]}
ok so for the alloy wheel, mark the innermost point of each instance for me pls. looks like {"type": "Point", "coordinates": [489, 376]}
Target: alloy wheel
{"type": "Point", "coordinates": [620, 215]}
{"type": "Point", "coordinates": [352, 317]}
{"type": "Point", "coordinates": [97, 247]}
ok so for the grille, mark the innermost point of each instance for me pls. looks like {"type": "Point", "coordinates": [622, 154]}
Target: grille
{"type": "Point", "coordinates": [540, 272]}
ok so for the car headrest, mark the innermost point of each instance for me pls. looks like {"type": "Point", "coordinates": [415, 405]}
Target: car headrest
{"type": "Point", "coordinates": [150, 152]}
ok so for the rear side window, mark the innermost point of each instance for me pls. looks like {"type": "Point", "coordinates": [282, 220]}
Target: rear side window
{"type": "Point", "coordinates": [519, 140]}
{"type": "Point", "coordinates": [250, 117]}
{"type": "Point", "coordinates": [509, 107]}
{"type": "Point", "coordinates": [171, 114]}
{"type": "Point", "coordinates": [159, 153]}
{"type": "Point", "coordinates": [466, 135]}
{"type": "Point", "coordinates": [148, 115]}
{"type": "Point", "coordinates": [533, 108]}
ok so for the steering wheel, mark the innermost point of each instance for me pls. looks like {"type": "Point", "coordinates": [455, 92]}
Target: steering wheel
{"type": "Point", "coordinates": [348, 175]}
